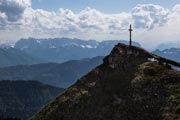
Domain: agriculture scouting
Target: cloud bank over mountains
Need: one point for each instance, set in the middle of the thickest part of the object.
(153, 24)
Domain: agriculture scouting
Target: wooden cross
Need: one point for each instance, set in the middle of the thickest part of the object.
(130, 30)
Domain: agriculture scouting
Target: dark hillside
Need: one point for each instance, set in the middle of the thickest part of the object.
(62, 75)
(22, 99)
(131, 84)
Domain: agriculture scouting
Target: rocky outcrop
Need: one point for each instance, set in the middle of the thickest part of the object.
(131, 84)
(123, 56)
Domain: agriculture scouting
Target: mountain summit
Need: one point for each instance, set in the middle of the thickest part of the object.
(131, 84)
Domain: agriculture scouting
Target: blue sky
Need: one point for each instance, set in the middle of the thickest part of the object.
(154, 21)
(108, 6)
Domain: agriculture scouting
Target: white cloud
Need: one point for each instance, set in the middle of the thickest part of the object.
(176, 8)
(13, 9)
(149, 15)
(85, 24)
(153, 24)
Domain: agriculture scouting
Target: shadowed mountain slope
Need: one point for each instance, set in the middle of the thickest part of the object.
(131, 84)
(22, 99)
(62, 75)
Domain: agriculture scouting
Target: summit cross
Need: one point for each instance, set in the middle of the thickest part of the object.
(130, 30)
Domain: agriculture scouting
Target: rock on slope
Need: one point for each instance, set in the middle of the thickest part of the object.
(131, 84)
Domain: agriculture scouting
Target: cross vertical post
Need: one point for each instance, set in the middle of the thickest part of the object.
(130, 30)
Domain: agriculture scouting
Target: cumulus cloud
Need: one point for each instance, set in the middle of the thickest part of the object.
(152, 23)
(109, 23)
(149, 15)
(13, 9)
(176, 8)
(84, 24)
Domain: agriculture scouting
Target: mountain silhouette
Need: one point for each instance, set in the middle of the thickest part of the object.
(131, 84)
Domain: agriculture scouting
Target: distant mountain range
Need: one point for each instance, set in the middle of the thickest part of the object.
(172, 53)
(21, 99)
(169, 45)
(12, 57)
(34, 51)
(61, 75)
(65, 49)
